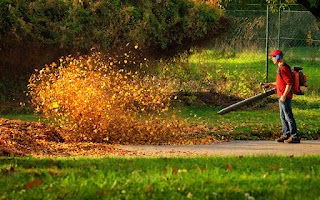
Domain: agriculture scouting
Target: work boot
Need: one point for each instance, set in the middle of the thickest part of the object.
(282, 138)
(292, 140)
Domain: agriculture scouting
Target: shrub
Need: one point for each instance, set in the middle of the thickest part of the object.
(106, 24)
(35, 32)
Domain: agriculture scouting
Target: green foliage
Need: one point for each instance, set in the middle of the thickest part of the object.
(256, 177)
(84, 24)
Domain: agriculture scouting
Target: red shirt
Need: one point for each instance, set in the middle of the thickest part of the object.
(285, 80)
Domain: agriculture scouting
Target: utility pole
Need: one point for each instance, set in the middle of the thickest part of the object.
(279, 24)
(267, 43)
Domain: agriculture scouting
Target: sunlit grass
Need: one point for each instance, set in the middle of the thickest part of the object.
(257, 177)
(308, 53)
(254, 63)
(212, 56)
(23, 117)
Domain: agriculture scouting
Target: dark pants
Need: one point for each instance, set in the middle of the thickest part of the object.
(289, 127)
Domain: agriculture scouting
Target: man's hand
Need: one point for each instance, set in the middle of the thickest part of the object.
(285, 93)
(266, 85)
(283, 98)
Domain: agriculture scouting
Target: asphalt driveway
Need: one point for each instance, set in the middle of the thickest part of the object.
(240, 148)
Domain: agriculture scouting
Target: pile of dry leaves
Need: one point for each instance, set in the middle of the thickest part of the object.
(21, 138)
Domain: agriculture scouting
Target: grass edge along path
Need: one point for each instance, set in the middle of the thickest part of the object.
(231, 177)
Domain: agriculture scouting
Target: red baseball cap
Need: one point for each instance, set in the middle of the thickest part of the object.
(275, 53)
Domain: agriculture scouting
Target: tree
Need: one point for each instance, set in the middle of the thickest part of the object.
(311, 5)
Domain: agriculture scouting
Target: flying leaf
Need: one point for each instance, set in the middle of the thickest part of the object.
(55, 105)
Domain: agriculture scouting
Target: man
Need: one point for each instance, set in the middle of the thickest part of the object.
(283, 85)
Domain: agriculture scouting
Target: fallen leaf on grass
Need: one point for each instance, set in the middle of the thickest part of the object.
(7, 171)
(174, 170)
(149, 188)
(228, 167)
(32, 184)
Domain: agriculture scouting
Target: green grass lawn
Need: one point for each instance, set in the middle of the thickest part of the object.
(22, 117)
(253, 177)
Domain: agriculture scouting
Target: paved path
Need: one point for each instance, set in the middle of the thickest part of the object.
(306, 147)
